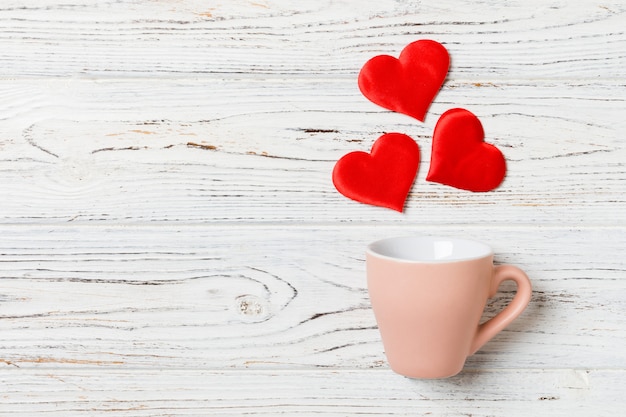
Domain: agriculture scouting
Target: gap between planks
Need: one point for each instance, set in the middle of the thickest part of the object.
(392, 225)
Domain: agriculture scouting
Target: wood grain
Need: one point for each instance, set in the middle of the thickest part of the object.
(171, 243)
(276, 297)
(326, 393)
(219, 158)
(529, 39)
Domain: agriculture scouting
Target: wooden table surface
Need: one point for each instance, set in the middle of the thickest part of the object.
(172, 243)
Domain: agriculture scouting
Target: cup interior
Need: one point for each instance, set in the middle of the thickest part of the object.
(429, 249)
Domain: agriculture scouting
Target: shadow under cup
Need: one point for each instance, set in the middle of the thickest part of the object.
(428, 295)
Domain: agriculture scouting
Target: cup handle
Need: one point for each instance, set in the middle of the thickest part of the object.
(495, 325)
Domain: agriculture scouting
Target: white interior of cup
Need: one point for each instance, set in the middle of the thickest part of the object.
(429, 249)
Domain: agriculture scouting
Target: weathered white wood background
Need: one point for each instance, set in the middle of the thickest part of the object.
(171, 243)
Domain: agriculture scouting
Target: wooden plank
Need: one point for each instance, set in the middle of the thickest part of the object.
(279, 297)
(515, 40)
(151, 392)
(264, 151)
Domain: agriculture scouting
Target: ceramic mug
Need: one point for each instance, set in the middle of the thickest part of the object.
(428, 295)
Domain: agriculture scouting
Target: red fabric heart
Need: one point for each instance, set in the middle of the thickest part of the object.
(380, 178)
(409, 84)
(460, 157)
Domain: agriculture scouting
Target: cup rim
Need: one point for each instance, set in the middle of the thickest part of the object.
(480, 249)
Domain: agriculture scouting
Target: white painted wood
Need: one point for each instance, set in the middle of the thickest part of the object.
(280, 297)
(488, 41)
(171, 242)
(97, 392)
(219, 158)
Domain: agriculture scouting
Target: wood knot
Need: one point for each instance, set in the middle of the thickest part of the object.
(252, 308)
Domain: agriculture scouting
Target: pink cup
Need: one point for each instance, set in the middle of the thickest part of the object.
(428, 295)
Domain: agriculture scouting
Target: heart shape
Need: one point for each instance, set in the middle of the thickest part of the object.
(409, 84)
(460, 157)
(382, 177)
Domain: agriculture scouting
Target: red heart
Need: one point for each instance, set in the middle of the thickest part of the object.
(380, 178)
(460, 157)
(409, 84)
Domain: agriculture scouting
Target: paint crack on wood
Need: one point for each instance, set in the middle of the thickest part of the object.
(28, 136)
(201, 146)
(128, 148)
